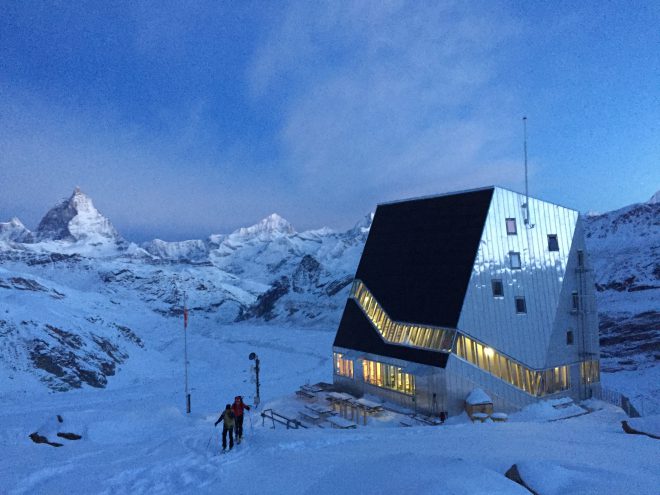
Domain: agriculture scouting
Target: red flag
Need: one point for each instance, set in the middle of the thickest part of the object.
(185, 318)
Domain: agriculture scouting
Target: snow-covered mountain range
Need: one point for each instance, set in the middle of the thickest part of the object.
(78, 301)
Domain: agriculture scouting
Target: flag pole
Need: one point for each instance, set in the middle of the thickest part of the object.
(185, 349)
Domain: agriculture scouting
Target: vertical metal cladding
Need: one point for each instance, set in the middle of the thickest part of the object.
(526, 326)
(495, 320)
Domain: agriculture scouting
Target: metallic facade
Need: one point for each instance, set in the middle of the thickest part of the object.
(544, 319)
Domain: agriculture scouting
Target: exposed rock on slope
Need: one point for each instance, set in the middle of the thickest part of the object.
(624, 247)
(76, 219)
(15, 231)
(72, 293)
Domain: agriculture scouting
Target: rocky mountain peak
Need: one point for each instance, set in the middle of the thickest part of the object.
(15, 231)
(75, 219)
(655, 199)
(272, 224)
(365, 223)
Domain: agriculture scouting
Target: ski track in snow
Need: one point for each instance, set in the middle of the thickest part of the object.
(137, 438)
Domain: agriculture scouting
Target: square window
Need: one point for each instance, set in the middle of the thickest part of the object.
(569, 337)
(553, 243)
(498, 288)
(511, 226)
(514, 258)
(521, 307)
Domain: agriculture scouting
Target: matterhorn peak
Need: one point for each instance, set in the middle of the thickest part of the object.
(75, 219)
(272, 224)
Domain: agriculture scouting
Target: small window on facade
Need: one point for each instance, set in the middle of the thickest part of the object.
(515, 260)
(553, 243)
(498, 288)
(521, 307)
(511, 226)
(580, 254)
(575, 301)
(569, 337)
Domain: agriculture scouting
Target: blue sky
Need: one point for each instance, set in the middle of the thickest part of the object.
(182, 119)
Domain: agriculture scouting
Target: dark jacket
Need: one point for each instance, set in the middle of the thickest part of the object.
(228, 417)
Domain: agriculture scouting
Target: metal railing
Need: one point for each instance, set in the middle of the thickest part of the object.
(619, 400)
(275, 417)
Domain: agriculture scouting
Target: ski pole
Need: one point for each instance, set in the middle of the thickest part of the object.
(210, 438)
(250, 416)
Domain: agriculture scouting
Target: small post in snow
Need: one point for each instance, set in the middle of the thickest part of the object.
(185, 350)
(253, 357)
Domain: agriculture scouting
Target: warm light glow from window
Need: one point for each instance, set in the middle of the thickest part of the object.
(388, 376)
(533, 382)
(590, 371)
(343, 366)
(436, 339)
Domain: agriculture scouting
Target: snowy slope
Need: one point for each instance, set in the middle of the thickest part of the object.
(15, 231)
(267, 272)
(136, 437)
(78, 277)
(100, 317)
(624, 246)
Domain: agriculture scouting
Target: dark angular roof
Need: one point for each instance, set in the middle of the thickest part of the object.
(356, 332)
(417, 263)
(419, 255)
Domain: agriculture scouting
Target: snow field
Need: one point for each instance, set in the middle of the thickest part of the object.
(138, 439)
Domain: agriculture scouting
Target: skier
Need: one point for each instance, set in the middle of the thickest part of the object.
(238, 408)
(227, 417)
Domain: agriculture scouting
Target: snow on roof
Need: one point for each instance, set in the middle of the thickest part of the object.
(478, 396)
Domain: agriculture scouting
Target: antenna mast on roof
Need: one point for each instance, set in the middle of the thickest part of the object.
(526, 205)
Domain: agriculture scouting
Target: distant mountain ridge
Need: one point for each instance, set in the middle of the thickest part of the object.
(15, 231)
(78, 297)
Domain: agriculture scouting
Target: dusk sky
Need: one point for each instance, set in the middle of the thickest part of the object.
(181, 119)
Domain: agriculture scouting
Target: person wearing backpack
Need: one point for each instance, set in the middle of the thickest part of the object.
(228, 419)
(237, 409)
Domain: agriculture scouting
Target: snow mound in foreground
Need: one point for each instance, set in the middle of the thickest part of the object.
(549, 478)
(424, 473)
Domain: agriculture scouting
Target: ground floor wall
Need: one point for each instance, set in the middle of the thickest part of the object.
(445, 389)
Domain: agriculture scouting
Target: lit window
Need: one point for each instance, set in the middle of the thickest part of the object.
(553, 243)
(514, 259)
(569, 337)
(498, 288)
(590, 371)
(343, 366)
(534, 382)
(511, 226)
(414, 335)
(521, 306)
(388, 376)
